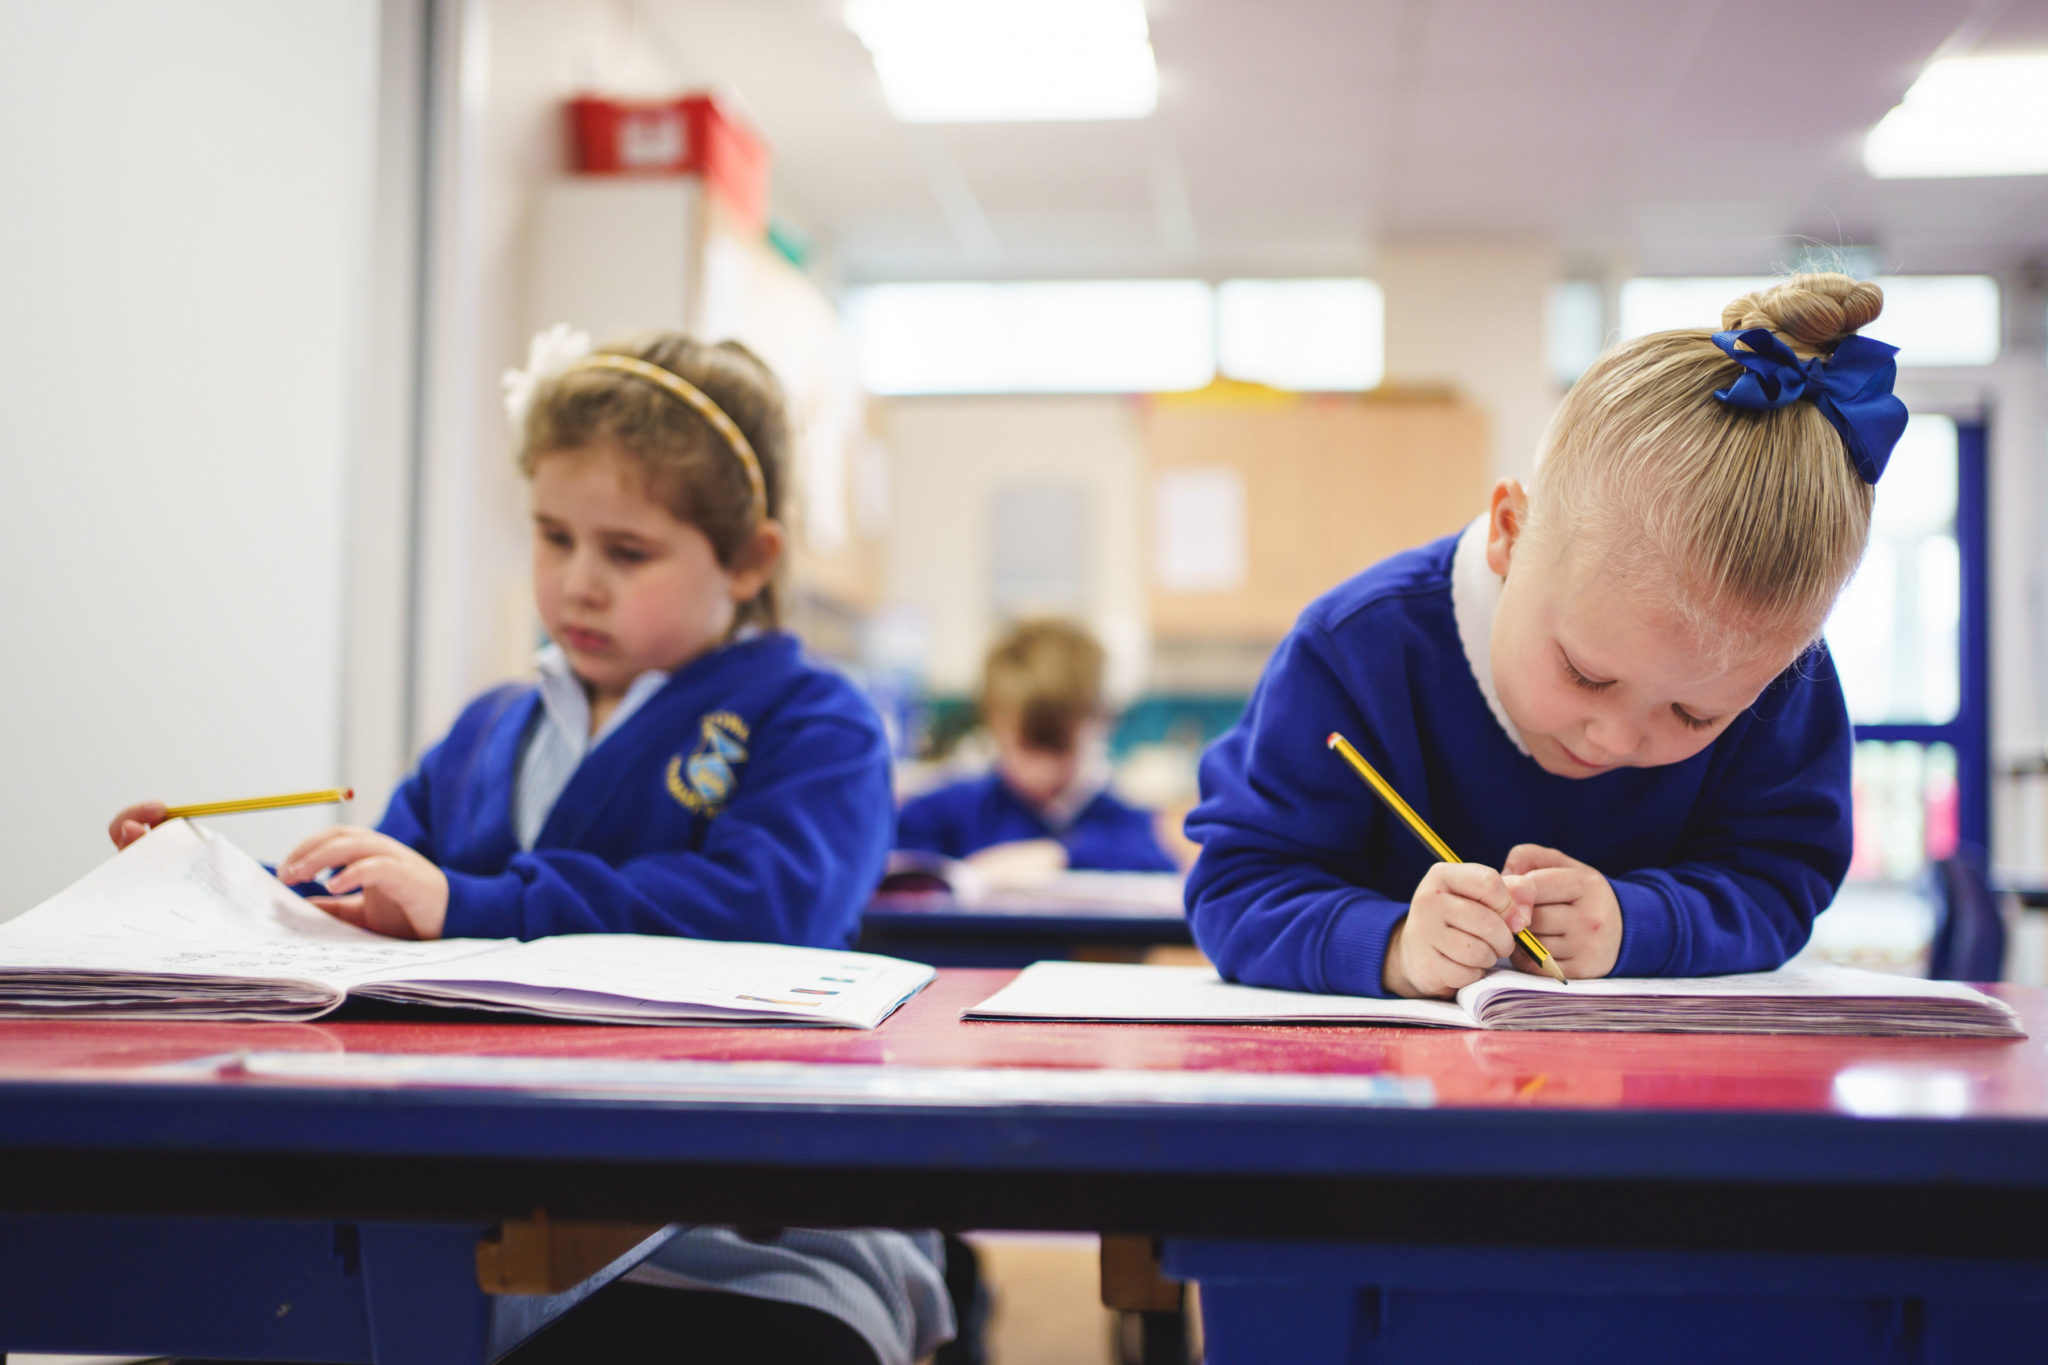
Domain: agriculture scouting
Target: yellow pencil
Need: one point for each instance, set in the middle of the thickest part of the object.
(1422, 831)
(332, 796)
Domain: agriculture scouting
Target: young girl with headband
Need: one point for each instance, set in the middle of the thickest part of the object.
(1609, 690)
(680, 768)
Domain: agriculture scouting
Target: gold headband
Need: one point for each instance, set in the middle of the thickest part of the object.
(701, 403)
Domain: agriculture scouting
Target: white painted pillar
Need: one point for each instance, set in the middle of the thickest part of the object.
(1471, 315)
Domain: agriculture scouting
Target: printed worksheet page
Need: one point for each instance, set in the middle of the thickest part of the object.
(184, 903)
(642, 978)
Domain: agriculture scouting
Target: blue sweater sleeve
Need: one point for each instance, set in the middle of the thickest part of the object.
(793, 859)
(409, 816)
(1766, 853)
(1277, 897)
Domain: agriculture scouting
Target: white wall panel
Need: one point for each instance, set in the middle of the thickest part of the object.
(184, 260)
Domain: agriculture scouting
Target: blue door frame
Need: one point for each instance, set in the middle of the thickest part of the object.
(1969, 734)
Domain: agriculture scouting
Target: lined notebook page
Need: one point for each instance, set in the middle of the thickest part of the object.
(1147, 994)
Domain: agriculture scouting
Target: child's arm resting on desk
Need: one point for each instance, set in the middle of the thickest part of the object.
(793, 859)
(1288, 835)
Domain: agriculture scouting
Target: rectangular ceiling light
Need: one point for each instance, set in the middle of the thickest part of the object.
(1083, 336)
(1666, 303)
(1009, 61)
(1308, 335)
(1967, 116)
(1940, 319)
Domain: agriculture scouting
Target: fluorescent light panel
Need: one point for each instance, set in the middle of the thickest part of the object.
(1092, 336)
(1309, 335)
(1967, 116)
(1934, 320)
(1007, 61)
(1667, 303)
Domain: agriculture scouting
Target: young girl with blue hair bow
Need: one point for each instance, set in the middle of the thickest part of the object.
(1609, 690)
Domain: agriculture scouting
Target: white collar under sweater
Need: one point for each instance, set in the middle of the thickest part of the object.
(1475, 600)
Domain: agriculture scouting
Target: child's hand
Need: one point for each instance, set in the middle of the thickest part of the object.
(1576, 916)
(382, 885)
(134, 822)
(1461, 920)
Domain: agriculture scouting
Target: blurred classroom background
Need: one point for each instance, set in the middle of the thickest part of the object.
(1165, 316)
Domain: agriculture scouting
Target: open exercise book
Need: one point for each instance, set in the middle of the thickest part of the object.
(182, 924)
(1794, 999)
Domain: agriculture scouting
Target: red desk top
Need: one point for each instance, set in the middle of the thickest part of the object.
(1928, 1077)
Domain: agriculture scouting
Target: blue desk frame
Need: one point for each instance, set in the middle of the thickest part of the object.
(169, 1216)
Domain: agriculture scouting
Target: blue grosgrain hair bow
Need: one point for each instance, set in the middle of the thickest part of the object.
(1852, 388)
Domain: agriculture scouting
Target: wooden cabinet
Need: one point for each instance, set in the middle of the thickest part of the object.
(1297, 495)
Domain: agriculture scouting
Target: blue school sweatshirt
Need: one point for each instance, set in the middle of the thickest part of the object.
(748, 799)
(966, 817)
(1720, 863)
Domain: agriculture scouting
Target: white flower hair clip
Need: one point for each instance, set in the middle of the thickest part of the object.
(547, 355)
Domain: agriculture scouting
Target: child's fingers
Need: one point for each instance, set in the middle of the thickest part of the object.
(362, 874)
(1557, 919)
(1481, 924)
(1467, 951)
(1529, 857)
(1554, 885)
(335, 846)
(304, 850)
(140, 817)
(347, 909)
(1475, 882)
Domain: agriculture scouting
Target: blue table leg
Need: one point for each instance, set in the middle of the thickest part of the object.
(421, 1296)
(1246, 1324)
(1349, 1304)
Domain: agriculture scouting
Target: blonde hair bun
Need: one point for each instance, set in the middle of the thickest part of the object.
(1814, 313)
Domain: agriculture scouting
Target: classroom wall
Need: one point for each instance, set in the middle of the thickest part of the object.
(950, 459)
(1470, 316)
(184, 258)
(502, 70)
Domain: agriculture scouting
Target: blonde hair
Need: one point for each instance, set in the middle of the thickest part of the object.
(1742, 517)
(688, 466)
(1047, 674)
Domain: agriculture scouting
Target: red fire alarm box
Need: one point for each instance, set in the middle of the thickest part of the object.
(693, 135)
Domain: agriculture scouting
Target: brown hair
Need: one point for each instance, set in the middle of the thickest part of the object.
(1048, 675)
(1748, 518)
(689, 468)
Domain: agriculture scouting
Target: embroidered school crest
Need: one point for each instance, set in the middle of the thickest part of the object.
(704, 781)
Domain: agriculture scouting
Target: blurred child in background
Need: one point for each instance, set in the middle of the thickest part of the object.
(1047, 805)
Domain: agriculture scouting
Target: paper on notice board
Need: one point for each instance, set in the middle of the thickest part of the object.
(1199, 515)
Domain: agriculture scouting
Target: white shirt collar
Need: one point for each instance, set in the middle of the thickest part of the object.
(568, 705)
(1475, 600)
